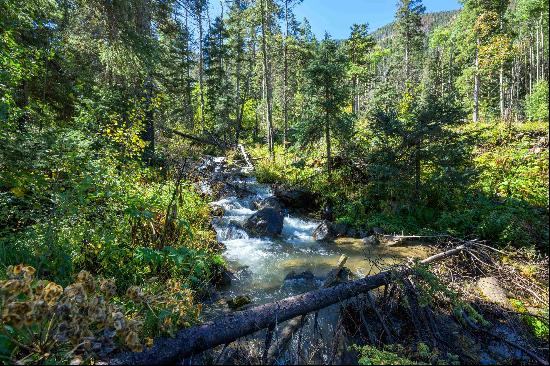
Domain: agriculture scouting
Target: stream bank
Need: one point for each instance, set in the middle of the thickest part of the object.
(265, 269)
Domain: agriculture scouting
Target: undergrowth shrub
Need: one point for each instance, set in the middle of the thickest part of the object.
(42, 322)
(78, 208)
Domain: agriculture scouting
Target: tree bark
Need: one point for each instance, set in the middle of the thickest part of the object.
(285, 76)
(501, 92)
(267, 80)
(476, 86)
(327, 138)
(199, 11)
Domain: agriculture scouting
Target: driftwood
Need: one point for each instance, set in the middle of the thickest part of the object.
(380, 318)
(231, 327)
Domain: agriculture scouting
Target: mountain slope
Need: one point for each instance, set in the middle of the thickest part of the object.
(430, 21)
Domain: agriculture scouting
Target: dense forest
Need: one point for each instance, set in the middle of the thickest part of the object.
(111, 111)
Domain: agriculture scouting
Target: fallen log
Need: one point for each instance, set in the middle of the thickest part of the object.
(194, 138)
(247, 160)
(229, 328)
(279, 347)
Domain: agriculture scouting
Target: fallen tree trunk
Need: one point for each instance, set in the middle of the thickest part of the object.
(247, 160)
(279, 347)
(231, 327)
(194, 138)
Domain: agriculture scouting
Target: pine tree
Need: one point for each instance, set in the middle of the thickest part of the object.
(409, 39)
(359, 46)
(327, 95)
(219, 102)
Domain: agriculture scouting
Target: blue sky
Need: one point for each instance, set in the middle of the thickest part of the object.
(337, 16)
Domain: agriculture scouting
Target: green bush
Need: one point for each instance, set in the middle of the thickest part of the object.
(69, 205)
(370, 355)
(536, 104)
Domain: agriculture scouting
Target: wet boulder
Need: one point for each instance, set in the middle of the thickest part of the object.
(371, 241)
(217, 211)
(238, 302)
(323, 232)
(266, 222)
(296, 199)
(340, 230)
(304, 276)
(270, 202)
(223, 278)
(377, 231)
(330, 231)
(351, 233)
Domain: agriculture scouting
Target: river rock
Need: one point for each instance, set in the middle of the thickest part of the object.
(340, 230)
(323, 232)
(238, 302)
(305, 276)
(372, 241)
(224, 278)
(362, 234)
(351, 233)
(490, 288)
(266, 222)
(377, 231)
(270, 202)
(295, 198)
(217, 211)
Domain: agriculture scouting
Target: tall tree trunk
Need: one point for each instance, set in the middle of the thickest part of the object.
(531, 66)
(327, 137)
(543, 61)
(476, 86)
(238, 103)
(417, 172)
(501, 91)
(143, 26)
(537, 52)
(355, 96)
(267, 80)
(188, 96)
(285, 86)
(199, 12)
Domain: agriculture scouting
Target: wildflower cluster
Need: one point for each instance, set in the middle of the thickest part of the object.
(42, 321)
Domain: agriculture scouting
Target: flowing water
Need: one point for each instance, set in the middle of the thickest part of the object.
(260, 265)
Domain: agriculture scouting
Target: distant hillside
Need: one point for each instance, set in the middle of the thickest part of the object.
(429, 21)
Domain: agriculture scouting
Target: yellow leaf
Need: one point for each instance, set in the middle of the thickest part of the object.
(18, 192)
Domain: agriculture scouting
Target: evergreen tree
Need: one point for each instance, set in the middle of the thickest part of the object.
(359, 46)
(409, 39)
(327, 95)
(219, 101)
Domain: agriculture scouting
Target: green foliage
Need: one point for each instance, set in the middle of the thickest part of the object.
(537, 325)
(370, 355)
(536, 104)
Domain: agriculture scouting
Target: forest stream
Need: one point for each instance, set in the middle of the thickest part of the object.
(261, 264)
(267, 269)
